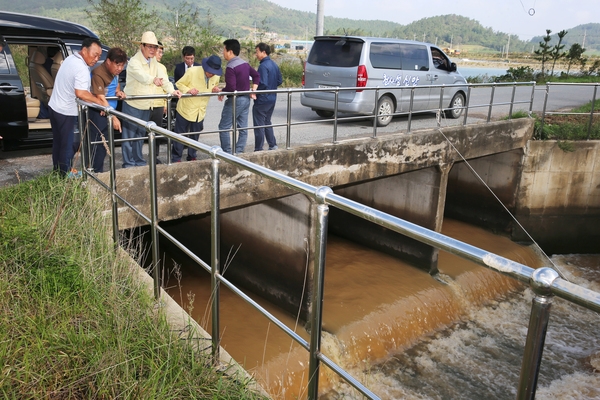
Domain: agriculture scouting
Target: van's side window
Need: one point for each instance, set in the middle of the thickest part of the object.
(440, 61)
(385, 55)
(414, 57)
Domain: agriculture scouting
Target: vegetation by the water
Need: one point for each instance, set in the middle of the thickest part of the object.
(74, 321)
(572, 125)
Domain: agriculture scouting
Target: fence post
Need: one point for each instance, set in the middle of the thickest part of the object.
(335, 113)
(544, 111)
(153, 208)
(376, 111)
(467, 101)
(288, 138)
(215, 245)
(83, 142)
(316, 316)
(489, 117)
(410, 108)
(234, 124)
(592, 112)
(512, 100)
(113, 180)
(541, 283)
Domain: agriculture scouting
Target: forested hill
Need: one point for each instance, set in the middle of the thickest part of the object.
(587, 35)
(238, 18)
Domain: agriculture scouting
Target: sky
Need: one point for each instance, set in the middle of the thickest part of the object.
(524, 18)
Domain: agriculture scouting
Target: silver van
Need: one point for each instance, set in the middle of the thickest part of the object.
(390, 64)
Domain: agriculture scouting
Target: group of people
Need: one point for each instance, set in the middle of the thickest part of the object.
(147, 76)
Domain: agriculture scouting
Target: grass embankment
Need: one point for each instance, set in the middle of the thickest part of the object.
(75, 323)
(570, 127)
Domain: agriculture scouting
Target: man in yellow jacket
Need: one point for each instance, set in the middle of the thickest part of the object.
(143, 76)
(191, 110)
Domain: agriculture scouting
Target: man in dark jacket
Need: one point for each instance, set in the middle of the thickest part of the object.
(270, 78)
(189, 54)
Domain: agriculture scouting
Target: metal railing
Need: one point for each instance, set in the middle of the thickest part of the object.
(440, 108)
(545, 282)
(559, 84)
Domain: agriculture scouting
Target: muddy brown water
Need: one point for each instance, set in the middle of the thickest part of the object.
(406, 335)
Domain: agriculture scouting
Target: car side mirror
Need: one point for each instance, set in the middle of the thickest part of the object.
(453, 67)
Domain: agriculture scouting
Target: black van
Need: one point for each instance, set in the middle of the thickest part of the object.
(44, 43)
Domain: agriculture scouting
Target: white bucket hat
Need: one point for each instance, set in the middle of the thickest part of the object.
(148, 38)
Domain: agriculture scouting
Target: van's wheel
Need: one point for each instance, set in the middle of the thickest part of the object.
(324, 113)
(385, 109)
(456, 106)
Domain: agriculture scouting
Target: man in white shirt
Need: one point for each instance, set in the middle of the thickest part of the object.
(72, 82)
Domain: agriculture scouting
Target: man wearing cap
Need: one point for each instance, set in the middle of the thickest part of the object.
(191, 110)
(143, 77)
(159, 107)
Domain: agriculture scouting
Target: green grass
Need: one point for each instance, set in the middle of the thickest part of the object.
(74, 322)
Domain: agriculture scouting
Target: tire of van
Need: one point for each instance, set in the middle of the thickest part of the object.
(8, 144)
(385, 107)
(324, 113)
(456, 106)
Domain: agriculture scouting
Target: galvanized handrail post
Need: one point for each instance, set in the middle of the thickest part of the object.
(512, 100)
(316, 316)
(375, 113)
(82, 114)
(531, 99)
(234, 124)
(467, 101)
(441, 106)
(113, 181)
(592, 112)
(410, 108)
(215, 245)
(335, 112)
(153, 208)
(288, 135)
(489, 117)
(169, 122)
(541, 283)
(544, 110)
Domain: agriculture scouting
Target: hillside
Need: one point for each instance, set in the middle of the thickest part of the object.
(239, 18)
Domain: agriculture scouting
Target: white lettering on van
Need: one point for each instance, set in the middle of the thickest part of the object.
(391, 81)
(410, 80)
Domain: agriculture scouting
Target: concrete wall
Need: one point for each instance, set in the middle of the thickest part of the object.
(413, 196)
(475, 188)
(558, 199)
(184, 188)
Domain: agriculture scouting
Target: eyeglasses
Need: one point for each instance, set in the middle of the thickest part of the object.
(151, 46)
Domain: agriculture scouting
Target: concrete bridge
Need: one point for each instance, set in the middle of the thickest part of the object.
(415, 177)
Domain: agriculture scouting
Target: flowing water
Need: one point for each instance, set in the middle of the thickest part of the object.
(404, 334)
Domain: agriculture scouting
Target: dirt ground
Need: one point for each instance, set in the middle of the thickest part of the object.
(21, 165)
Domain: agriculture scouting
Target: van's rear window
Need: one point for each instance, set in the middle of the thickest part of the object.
(335, 53)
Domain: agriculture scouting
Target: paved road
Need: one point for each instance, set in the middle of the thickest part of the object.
(309, 128)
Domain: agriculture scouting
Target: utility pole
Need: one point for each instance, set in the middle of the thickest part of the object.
(583, 43)
(507, 46)
(423, 36)
(320, 16)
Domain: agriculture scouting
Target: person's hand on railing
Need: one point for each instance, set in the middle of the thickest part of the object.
(176, 93)
(116, 124)
(193, 91)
